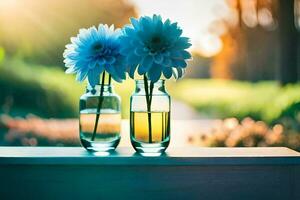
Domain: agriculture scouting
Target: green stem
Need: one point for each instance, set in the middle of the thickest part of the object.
(162, 126)
(148, 100)
(149, 111)
(109, 79)
(100, 100)
(151, 91)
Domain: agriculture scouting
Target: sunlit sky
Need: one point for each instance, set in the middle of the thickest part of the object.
(194, 16)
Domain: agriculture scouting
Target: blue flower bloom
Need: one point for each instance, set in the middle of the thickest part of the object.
(94, 51)
(154, 47)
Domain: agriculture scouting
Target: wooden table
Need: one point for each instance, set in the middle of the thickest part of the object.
(182, 173)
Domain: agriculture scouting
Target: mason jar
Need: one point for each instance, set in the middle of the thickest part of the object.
(100, 118)
(150, 125)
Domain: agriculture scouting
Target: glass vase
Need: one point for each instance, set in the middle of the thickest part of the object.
(104, 136)
(150, 126)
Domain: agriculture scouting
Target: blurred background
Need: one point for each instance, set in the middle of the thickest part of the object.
(241, 88)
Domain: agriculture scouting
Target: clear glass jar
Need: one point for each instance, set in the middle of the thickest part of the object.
(106, 136)
(150, 127)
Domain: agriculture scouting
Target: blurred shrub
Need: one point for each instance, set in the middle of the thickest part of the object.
(290, 117)
(46, 92)
(266, 101)
(2, 54)
(247, 133)
(37, 89)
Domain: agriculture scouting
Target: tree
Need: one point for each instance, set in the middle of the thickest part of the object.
(266, 41)
(288, 70)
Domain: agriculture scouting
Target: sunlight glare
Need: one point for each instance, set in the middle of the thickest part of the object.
(209, 45)
(8, 4)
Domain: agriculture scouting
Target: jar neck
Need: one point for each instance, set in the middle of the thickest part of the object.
(95, 90)
(158, 87)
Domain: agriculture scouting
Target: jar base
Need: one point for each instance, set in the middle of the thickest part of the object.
(151, 148)
(96, 146)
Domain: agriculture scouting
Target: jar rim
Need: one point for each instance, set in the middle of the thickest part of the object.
(141, 81)
(106, 86)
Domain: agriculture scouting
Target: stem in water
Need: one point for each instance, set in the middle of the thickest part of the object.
(148, 101)
(100, 100)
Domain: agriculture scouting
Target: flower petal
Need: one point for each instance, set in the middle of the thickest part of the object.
(178, 72)
(158, 58)
(135, 23)
(167, 62)
(179, 63)
(92, 65)
(81, 75)
(182, 43)
(70, 70)
(139, 52)
(133, 58)
(167, 71)
(154, 73)
(131, 70)
(130, 31)
(185, 55)
(112, 71)
(110, 59)
(120, 71)
(93, 78)
(145, 65)
(124, 51)
(101, 61)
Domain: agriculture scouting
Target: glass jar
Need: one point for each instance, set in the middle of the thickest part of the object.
(104, 136)
(150, 126)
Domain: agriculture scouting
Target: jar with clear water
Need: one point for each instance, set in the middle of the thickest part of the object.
(103, 135)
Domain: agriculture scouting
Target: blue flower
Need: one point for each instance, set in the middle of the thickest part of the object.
(154, 47)
(94, 51)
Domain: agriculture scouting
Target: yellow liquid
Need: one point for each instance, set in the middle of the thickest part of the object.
(160, 126)
(109, 125)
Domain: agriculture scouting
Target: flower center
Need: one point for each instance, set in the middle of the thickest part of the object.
(155, 40)
(97, 48)
(155, 44)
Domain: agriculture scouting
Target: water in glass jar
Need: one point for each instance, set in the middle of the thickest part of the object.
(159, 124)
(107, 134)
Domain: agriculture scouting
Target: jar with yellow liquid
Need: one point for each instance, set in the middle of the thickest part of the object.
(150, 118)
(100, 118)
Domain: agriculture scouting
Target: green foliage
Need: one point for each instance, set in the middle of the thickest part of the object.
(40, 90)
(265, 101)
(45, 91)
(2, 54)
(49, 92)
